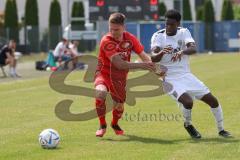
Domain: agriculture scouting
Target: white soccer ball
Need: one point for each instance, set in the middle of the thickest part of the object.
(49, 139)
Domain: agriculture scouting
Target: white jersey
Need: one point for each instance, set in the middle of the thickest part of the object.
(177, 42)
(60, 49)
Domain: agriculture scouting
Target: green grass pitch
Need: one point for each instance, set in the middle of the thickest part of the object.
(27, 107)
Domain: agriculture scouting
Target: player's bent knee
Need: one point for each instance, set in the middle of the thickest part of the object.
(214, 102)
(211, 100)
(101, 94)
(101, 91)
(101, 87)
(186, 101)
(188, 104)
(119, 106)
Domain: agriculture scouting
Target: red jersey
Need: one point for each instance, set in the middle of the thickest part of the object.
(109, 47)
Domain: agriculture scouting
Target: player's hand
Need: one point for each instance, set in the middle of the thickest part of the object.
(160, 70)
(167, 50)
(177, 56)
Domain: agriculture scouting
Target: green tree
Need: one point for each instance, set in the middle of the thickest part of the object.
(187, 15)
(162, 10)
(32, 24)
(15, 12)
(208, 18)
(55, 18)
(78, 12)
(11, 20)
(208, 13)
(200, 13)
(227, 10)
(55, 24)
(31, 13)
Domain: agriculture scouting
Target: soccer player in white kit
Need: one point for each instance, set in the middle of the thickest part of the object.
(171, 47)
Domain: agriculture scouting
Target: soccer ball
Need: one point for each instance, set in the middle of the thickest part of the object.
(49, 139)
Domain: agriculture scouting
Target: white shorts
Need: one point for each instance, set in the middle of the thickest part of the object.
(186, 84)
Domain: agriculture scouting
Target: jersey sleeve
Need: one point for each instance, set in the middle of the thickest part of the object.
(137, 46)
(188, 37)
(155, 42)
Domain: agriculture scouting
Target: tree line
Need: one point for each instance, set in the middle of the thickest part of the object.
(30, 21)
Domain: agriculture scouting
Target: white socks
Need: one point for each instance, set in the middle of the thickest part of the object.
(187, 114)
(218, 114)
(12, 71)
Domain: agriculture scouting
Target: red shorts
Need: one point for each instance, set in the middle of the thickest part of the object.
(116, 87)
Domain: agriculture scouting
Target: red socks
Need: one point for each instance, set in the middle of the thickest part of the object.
(101, 110)
(117, 114)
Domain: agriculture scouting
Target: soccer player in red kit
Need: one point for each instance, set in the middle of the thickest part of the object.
(113, 65)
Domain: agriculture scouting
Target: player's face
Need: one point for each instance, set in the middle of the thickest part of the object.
(171, 26)
(116, 30)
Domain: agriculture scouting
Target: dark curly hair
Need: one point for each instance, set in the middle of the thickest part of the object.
(173, 14)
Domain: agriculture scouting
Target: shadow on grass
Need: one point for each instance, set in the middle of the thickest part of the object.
(130, 138)
(53, 149)
(217, 140)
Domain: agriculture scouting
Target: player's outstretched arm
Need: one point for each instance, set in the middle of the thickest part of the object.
(124, 65)
(144, 57)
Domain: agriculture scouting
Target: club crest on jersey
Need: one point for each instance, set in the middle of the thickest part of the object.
(180, 43)
(125, 45)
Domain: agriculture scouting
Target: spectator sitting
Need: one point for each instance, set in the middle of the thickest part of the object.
(7, 57)
(61, 52)
(74, 52)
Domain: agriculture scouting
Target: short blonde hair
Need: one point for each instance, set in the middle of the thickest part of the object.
(117, 18)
